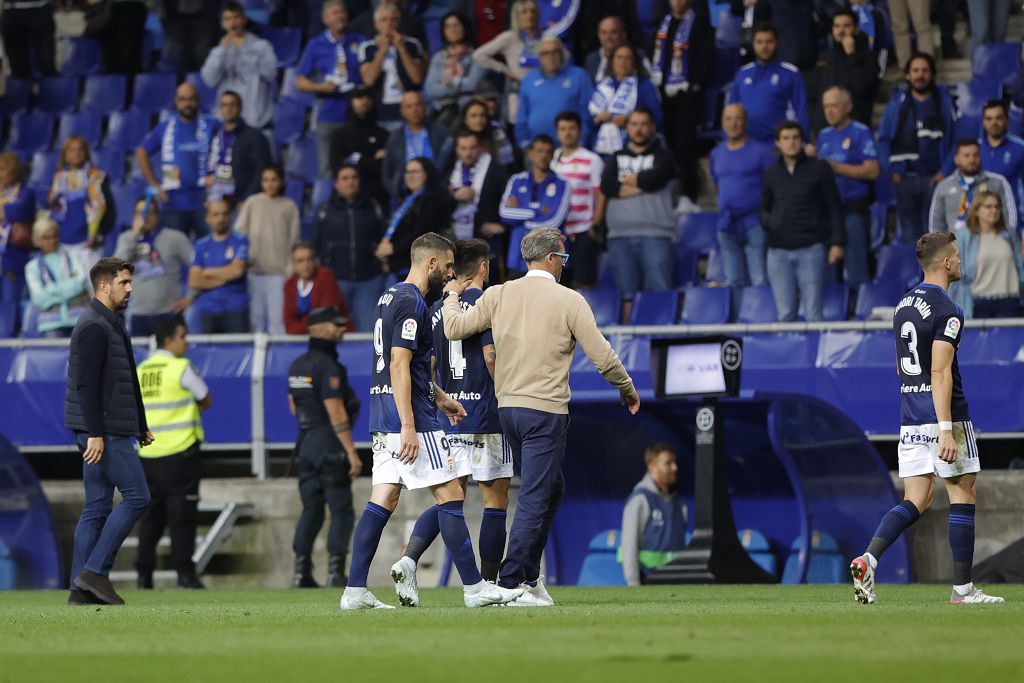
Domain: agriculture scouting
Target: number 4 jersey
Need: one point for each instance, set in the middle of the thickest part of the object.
(463, 374)
(926, 314)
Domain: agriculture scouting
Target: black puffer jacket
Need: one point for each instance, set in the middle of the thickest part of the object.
(345, 235)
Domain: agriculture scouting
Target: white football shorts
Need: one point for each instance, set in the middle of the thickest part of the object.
(919, 451)
(435, 464)
(488, 455)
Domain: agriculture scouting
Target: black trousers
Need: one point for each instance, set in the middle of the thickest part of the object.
(323, 478)
(122, 41)
(683, 112)
(174, 498)
(27, 31)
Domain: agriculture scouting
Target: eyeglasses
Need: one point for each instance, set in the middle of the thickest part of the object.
(563, 256)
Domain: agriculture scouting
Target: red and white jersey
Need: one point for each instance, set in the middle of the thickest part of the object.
(582, 172)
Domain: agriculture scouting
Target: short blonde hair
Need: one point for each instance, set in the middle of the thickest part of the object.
(43, 224)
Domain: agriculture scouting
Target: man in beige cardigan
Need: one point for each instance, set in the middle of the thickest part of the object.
(536, 324)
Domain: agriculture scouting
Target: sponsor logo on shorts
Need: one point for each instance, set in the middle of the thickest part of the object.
(918, 438)
(463, 441)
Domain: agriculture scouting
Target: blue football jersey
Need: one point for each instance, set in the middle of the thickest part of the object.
(402, 321)
(926, 314)
(463, 374)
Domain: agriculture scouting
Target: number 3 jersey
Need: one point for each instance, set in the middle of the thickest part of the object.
(926, 314)
(463, 374)
(402, 322)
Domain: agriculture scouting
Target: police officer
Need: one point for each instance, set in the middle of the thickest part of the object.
(325, 406)
(173, 394)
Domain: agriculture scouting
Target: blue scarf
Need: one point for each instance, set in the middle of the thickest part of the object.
(417, 144)
(679, 60)
(168, 150)
(528, 58)
(400, 212)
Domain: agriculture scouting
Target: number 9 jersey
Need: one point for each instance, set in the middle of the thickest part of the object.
(926, 314)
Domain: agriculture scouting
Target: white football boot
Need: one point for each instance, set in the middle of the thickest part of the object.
(974, 597)
(360, 598)
(403, 573)
(863, 580)
(486, 593)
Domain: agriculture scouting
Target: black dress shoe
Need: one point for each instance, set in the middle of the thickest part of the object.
(83, 598)
(144, 582)
(99, 586)
(190, 581)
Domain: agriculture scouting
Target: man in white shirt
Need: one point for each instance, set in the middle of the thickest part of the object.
(581, 169)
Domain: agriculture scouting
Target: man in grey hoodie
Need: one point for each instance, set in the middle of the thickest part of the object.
(654, 521)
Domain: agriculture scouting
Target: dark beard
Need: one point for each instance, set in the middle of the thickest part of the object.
(435, 281)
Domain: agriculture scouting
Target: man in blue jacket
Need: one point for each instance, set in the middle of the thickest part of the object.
(914, 139)
(770, 90)
(546, 92)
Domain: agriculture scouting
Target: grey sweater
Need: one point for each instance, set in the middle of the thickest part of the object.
(648, 214)
(634, 520)
(157, 282)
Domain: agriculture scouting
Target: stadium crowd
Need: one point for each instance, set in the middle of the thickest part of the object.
(290, 163)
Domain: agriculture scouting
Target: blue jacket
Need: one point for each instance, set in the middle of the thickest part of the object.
(541, 205)
(960, 292)
(771, 92)
(887, 131)
(541, 99)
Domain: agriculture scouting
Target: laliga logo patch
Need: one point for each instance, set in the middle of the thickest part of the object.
(952, 328)
(409, 330)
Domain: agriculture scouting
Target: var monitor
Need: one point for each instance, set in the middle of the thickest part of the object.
(696, 366)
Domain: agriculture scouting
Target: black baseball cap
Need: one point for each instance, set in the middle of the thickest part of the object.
(327, 314)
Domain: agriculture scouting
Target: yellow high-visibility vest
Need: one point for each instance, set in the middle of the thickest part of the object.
(171, 410)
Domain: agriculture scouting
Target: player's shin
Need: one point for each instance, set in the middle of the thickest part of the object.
(457, 540)
(492, 542)
(423, 534)
(961, 543)
(365, 541)
(893, 523)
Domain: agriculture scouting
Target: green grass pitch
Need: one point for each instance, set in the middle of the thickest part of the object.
(663, 633)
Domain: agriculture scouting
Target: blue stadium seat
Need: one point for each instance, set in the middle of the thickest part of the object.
(827, 564)
(878, 294)
(295, 190)
(967, 127)
(300, 160)
(112, 161)
(105, 93)
(16, 97)
(606, 305)
(601, 566)
(655, 308)
(1016, 119)
(287, 44)
(207, 95)
(81, 56)
(727, 33)
(40, 176)
(289, 90)
(258, 10)
(997, 62)
(647, 14)
(971, 97)
(698, 231)
(154, 92)
(435, 35)
(86, 123)
(706, 305)
(757, 305)
(57, 95)
(835, 301)
(125, 197)
(879, 224)
(125, 129)
(897, 264)
(687, 266)
(289, 120)
(322, 190)
(30, 132)
(8, 315)
(760, 550)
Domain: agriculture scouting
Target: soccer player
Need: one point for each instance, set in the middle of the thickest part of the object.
(936, 436)
(409, 447)
(466, 370)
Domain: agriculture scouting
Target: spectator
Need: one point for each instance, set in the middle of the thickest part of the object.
(581, 169)
(638, 184)
(850, 63)
(515, 52)
(1001, 152)
(488, 19)
(615, 98)
(189, 33)
(479, 117)
(346, 231)
(159, 256)
(988, 19)
(536, 198)
(410, 22)
(953, 195)
(872, 23)
(617, 24)
(270, 221)
(801, 216)
(849, 148)
(737, 167)
(183, 143)
(81, 200)
(553, 88)
(310, 287)
(237, 152)
(392, 64)
(28, 31)
(476, 185)
(417, 137)
(331, 58)
(58, 282)
(611, 33)
(914, 139)
(991, 268)
(17, 212)
(682, 64)
(453, 75)
(771, 91)
(121, 40)
(901, 12)
(245, 64)
(654, 520)
(424, 206)
(362, 143)
(218, 274)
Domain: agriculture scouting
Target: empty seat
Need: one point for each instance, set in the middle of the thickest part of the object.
(760, 550)
(16, 97)
(86, 123)
(971, 97)
(80, 56)
(125, 197)
(322, 190)
(295, 189)
(207, 95)
(698, 231)
(606, 305)
(835, 301)
(40, 176)
(57, 95)
(654, 308)
(105, 93)
(880, 294)
(826, 564)
(996, 62)
(125, 129)
(897, 263)
(287, 44)
(687, 269)
(706, 306)
(757, 305)
(289, 90)
(300, 160)
(601, 565)
(435, 37)
(112, 161)
(289, 120)
(154, 92)
(30, 132)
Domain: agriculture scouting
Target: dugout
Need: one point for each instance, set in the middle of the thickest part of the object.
(796, 467)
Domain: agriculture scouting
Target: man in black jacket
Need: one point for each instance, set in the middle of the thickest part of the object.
(801, 216)
(103, 406)
(475, 185)
(347, 229)
(238, 153)
(851, 64)
(361, 142)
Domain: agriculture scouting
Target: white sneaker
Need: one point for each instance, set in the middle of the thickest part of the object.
(540, 591)
(403, 573)
(360, 598)
(486, 593)
(974, 597)
(534, 596)
(863, 580)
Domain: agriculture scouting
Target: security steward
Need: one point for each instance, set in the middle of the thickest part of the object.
(173, 394)
(325, 406)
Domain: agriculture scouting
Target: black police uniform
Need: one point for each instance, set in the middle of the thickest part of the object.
(323, 466)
